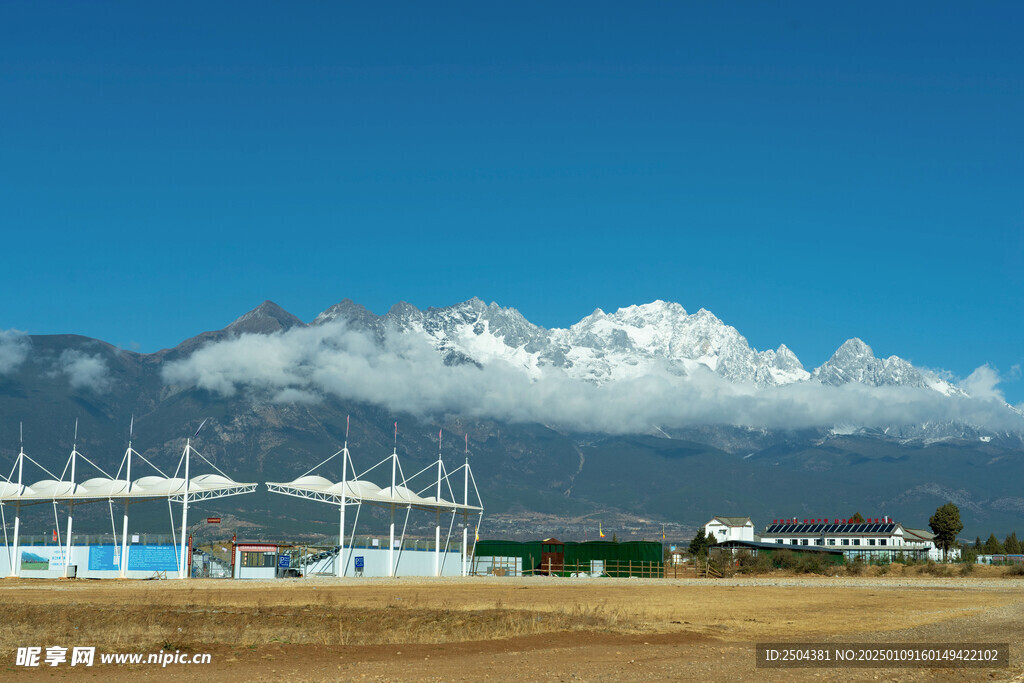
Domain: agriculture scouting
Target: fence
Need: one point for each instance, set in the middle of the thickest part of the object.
(593, 568)
(96, 539)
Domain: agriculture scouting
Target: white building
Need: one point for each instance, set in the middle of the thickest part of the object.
(926, 539)
(721, 529)
(873, 539)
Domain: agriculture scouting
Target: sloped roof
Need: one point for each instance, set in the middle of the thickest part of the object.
(731, 521)
(922, 534)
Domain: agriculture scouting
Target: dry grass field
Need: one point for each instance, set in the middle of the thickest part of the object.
(506, 628)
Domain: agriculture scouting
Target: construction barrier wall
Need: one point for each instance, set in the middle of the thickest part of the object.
(90, 561)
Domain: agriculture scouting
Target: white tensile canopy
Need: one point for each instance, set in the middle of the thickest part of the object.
(353, 489)
(173, 489)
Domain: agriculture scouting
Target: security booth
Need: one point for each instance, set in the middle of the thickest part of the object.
(256, 560)
(552, 556)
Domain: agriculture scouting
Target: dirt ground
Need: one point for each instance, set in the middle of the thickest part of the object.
(504, 628)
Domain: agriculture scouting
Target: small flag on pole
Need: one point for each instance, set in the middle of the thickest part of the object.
(476, 534)
(599, 532)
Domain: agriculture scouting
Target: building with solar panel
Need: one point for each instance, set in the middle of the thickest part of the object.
(872, 539)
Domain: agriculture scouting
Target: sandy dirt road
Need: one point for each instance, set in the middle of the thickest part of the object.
(502, 628)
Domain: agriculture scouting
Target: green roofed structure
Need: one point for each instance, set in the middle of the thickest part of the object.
(570, 558)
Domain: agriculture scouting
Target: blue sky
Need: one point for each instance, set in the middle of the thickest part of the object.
(807, 172)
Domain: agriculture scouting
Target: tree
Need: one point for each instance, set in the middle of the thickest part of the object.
(1011, 545)
(946, 524)
(857, 519)
(993, 546)
(700, 543)
(977, 543)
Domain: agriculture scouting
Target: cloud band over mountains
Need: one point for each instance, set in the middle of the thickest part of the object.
(406, 374)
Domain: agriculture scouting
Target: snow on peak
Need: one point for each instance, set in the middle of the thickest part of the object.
(628, 343)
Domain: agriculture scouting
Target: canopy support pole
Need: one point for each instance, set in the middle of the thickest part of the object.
(16, 561)
(341, 528)
(390, 547)
(71, 508)
(183, 560)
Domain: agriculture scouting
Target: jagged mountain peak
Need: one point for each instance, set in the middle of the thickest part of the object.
(606, 346)
(854, 346)
(346, 309)
(854, 361)
(265, 318)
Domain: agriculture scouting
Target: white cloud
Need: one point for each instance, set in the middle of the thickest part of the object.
(85, 371)
(982, 383)
(407, 374)
(14, 347)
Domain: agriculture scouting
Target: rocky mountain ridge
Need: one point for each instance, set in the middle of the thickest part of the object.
(609, 346)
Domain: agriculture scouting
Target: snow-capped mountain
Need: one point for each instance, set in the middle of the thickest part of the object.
(605, 347)
(855, 362)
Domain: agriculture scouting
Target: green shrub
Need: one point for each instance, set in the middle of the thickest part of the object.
(856, 567)
(1015, 570)
(810, 564)
(966, 569)
(759, 564)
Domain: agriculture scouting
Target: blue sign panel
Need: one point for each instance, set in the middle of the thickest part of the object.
(152, 558)
(359, 561)
(143, 558)
(101, 558)
(284, 561)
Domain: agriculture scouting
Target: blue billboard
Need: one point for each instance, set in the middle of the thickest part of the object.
(142, 558)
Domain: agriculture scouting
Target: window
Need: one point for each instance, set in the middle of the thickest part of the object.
(250, 559)
(856, 541)
(803, 542)
(831, 541)
(819, 541)
(779, 541)
(846, 541)
(882, 541)
(871, 541)
(795, 542)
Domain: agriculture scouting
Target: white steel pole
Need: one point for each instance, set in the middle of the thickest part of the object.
(465, 521)
(437, 525)
(16, 562)
(391, 542)
(124, 526)
(184, 513)
(341, 529)
(71, 508)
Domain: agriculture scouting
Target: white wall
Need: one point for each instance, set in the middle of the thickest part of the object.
(375, 563)
(143, 561)
(720, 532)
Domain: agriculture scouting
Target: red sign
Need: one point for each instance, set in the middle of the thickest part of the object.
(256, 547)
(213, 520)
